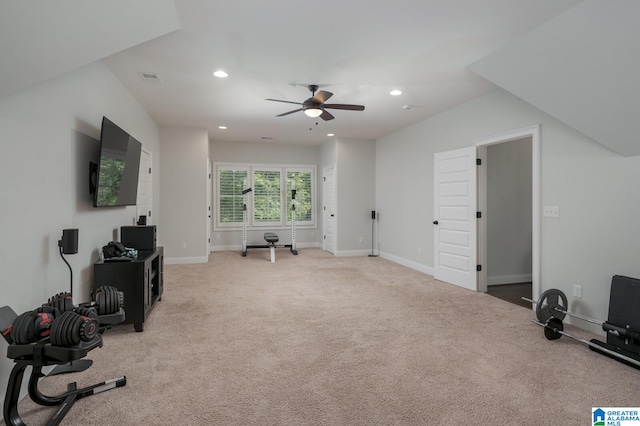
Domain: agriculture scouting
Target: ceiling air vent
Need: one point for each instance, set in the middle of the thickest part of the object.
(150, 77)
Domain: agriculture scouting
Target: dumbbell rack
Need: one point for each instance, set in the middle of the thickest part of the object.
(41, 354)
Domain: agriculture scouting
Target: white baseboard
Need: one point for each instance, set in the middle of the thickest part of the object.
(509, 279)
(408, 263)
(185, 260)
(351, 253)
(238, 247)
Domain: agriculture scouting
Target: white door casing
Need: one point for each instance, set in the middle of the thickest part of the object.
(455, 226)
(209, 211)
(328, 210)
(534, 133)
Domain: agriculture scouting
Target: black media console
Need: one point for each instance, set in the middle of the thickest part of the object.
(139, 279)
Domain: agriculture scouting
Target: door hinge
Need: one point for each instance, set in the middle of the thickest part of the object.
(478, 215)
(478, 268)
(324, 179)
(149, 213)
(149, 170)
(478, 162)
(324, 237)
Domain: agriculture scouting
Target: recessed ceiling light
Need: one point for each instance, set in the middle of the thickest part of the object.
(220, 74)
(330, 134)
(222, 127)
(395, 92)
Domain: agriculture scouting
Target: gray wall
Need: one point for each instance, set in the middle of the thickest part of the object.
(183, 204)
(48, 135)
(266, 153)
(355, 177)
(596, 235)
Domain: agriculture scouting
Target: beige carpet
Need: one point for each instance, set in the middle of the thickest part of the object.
(319, 340)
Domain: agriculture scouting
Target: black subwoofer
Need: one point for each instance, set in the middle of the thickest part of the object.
(139, 237)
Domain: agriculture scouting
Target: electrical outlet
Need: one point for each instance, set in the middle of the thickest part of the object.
(360, 240)
(577, 291)
(183, 246)
(551, 211)
(419, 251)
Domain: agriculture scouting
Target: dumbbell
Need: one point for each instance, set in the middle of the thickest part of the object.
(63, 329)
(61, 301)
(108, 300)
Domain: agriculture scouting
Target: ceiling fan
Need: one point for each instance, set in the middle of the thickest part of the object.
(315, 106)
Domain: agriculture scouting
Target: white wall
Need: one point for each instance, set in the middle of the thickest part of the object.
(596, 235)
(183, 203)
(355, 180)
(48, 135)
(508, 213)
(266, 153)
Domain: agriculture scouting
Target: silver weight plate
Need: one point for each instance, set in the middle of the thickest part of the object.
(552, 304)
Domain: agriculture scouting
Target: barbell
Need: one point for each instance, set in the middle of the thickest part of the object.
(553, 329)
(553, 304)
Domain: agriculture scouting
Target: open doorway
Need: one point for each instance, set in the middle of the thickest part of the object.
(509, 197)
(508, 216)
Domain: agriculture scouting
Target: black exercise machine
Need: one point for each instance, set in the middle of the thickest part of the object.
(49, 336)
(269, 237)
(622, 326)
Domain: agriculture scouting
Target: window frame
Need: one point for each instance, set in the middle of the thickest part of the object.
(285, 196)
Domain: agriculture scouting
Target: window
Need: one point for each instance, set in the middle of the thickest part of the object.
(266, 197)
(230, 200)
(303, 186)
(268, 204)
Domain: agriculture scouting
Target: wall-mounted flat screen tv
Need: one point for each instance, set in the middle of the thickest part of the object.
(116, 181)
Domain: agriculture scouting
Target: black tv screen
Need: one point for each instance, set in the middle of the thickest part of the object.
(118, 169)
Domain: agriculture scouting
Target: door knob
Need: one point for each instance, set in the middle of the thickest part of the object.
(435, 222)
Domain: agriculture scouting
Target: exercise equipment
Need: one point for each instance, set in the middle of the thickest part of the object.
(549, 308)
(106, 309)
(554, 330)
(269, 237)
(623, 337)
(71, 336)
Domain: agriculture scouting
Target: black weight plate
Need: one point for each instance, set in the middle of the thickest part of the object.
(552, 329)
(549, 303)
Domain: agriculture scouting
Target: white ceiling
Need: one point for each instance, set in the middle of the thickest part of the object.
(576, 63)
(581, 67)
(359, 49)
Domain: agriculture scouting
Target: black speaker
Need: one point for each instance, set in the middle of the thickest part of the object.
(139, 237)
(69, 241)
(373, 214)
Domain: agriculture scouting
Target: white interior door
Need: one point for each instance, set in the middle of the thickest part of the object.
(145, 195)
(454, 222)
(328, 210)
(209, 189)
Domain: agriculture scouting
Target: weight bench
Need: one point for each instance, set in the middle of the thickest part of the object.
(40, 354)
(271, 240)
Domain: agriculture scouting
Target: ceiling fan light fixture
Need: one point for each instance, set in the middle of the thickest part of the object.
(313, 112)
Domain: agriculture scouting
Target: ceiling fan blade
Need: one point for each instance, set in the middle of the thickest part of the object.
(287, 102)
(326, 115)
(290, 112)
(322, 96)
(345, 106)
